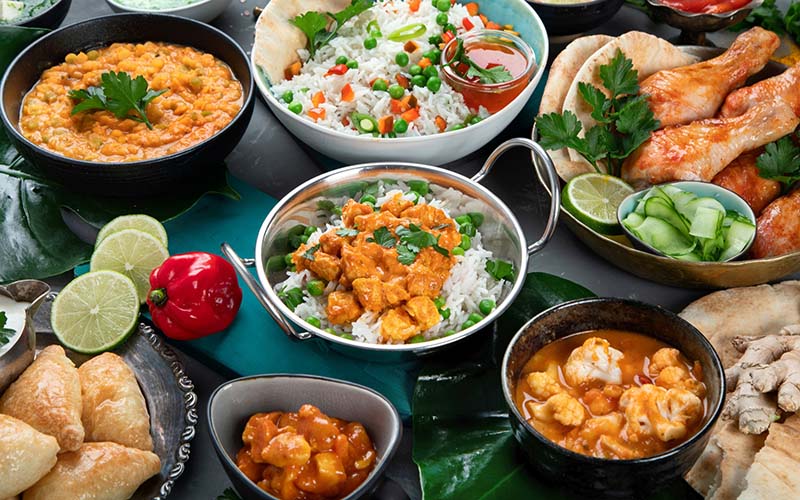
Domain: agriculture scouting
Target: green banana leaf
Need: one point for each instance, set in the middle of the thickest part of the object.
(463, 443)
(34, 240)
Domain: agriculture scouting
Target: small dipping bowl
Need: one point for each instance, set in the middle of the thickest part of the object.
(492, 96)
(729, 200)
(565, 21)
(589, 476)
(694, 25)
(200, 10)
(234, 402)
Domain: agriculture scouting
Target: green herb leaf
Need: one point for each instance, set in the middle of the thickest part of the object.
(767, 15)
(120, 95)
(356, 7)
(500, 269)
(416, 237)
(315, 25)
(496, 74)
(635, 121)
(406, 255)
(346, 232)
(229, 494)
(597, 143)
(780, 161)
(597, 100)
(311, 23)
(309, 253)
(441, 250)
(5, 333)
(558, 131)
(383, 237)
(619, 77)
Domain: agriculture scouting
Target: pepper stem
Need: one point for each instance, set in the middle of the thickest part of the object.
(158, 296)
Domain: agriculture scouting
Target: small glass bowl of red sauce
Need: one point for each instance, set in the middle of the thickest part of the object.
(489, 49)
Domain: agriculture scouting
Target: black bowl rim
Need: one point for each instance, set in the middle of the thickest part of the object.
(24, 23)
(379, 470)
(594, 461)
(132, 17)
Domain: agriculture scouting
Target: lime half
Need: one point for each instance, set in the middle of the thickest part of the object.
(143, 223)
(95, 312)
(594, 198)
(132, 253)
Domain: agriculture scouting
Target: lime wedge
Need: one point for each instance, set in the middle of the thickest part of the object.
(95, 312)
(132, 253)
(143, 223)
(594, 198)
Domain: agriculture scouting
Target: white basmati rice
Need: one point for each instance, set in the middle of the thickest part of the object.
(467, 285)
(376, 63)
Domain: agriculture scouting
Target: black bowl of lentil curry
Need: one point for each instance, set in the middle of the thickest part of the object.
(204, 103)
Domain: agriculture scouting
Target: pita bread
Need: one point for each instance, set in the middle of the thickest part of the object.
(562, 73)
(649, 54)
(278, 40)
(774, 470)
(755, 310)
(719, 473)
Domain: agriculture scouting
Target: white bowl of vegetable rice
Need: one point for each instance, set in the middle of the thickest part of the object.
(364, 80)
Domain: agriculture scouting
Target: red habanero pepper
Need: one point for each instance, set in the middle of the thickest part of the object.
(193, 295)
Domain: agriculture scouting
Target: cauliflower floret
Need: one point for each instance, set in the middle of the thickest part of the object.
(562, 408)
(678, 377)
(663, 358)
(594, 360)
(543, 385)
(655, 411)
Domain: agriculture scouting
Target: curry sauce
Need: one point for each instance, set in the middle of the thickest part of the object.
(612, 394)
(202, 97)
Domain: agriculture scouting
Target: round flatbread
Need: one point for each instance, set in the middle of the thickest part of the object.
(278, 40)
(562, 73)
(647, 52)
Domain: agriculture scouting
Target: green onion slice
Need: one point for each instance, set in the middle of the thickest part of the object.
(408, 32)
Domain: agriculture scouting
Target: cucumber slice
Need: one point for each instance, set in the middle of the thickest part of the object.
(690, 208)
(707, 222)
(633, 220)
(681, 199)
(658, 207)
(663, 236)
(658, 192)
(671, 191)
(689, 257)
(737, 237)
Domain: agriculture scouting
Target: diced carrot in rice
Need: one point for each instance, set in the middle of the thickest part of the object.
(347, 93)
(316, 114)
(410, 115)
(413, 5)
(473, 8)
(441, 123)
(318, 99)
(385, 124)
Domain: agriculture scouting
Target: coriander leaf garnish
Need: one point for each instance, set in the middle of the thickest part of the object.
(405, 255)
(495, 74)
(346, 232)
(228, 494)
(780, 161)
(5, 333)
(500, 269)
(624, 120)
(309, 253)
(315, 24)
(383, 237)
(120, 95)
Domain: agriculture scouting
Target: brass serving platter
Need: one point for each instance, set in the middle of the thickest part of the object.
(705, 275)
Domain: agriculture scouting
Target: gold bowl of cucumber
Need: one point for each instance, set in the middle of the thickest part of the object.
(689, 221)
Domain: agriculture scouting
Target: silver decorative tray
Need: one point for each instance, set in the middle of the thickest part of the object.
(170, 396)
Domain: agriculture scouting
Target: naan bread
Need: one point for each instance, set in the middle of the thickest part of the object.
(774, 473)
(647, 52)
(114, 408)
(97, 471)
(731, 460)
(26, 455)
(562, 73)
(755, 310)
(278, 40)
(47, 396)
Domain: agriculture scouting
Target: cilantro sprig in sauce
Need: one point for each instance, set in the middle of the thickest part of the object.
(120, 94)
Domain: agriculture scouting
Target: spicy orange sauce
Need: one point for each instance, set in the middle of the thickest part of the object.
(487, 54)
(202, 97)
(305, 455)
(604, 431)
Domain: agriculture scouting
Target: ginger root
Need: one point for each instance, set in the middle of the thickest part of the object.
(767, 364)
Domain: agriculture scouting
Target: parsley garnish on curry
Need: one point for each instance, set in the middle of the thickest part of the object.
(130, 102)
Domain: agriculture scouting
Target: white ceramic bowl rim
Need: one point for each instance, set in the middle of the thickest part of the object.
(264, 87)
(173, 10)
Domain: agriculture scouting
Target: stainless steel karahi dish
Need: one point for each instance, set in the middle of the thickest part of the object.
(501, 234)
